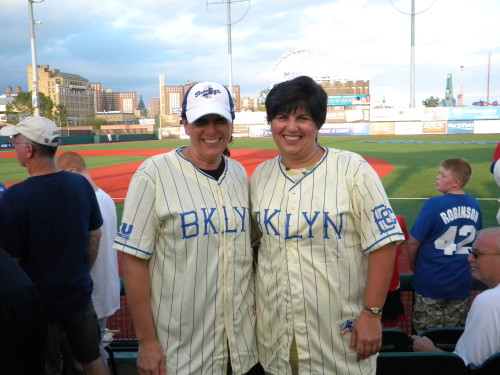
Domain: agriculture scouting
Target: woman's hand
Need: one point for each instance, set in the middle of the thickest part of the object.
(366, 338)
(151, 359)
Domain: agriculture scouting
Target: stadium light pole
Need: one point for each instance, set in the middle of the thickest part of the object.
(229, 48)
(228, 23)
(412, 46)
(412, 63)
(488, 83)
(35, 98)
(162, 105)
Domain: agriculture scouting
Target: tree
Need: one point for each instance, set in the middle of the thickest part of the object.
(61, 114)
(262, 99)
(95, 122)
(431, 102)
(22, 107)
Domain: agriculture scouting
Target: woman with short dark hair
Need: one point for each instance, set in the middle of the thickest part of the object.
(326, 235)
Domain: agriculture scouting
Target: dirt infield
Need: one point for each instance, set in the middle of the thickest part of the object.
(115, 179)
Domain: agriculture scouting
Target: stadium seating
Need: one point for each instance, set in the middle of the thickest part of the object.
(395, 340)
(409, 363)
(490, 367)
(445, 338)
(122, 351)
(394, 358)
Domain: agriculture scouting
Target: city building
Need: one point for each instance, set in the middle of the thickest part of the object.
(171, 97)
(141, 111)
(127, 101)
(346, 93)
(70, 90)
(105, 100)
(449, 100)
(249, 104)
(101, 101)
(5, 99)
(347, 90)
(154, 107)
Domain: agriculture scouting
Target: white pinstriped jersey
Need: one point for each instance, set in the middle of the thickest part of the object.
(195, 232)
(312, 266)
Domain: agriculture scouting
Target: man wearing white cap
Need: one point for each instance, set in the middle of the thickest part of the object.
(188, 260)
(50, 223)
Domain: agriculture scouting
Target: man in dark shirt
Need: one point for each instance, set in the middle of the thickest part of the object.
(51, 225)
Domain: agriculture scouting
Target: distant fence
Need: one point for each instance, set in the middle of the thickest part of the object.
(65, 141)
(88, 135)
(76, 131)
(388, 128)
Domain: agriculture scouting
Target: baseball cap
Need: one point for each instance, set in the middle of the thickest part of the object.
(37, 129)
(206, 98)
(2, 189)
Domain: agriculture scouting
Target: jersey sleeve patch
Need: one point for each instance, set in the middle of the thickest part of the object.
(385, 219)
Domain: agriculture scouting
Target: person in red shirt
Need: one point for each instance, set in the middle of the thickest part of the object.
(394, 312)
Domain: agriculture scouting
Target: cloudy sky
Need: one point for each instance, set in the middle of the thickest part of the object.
(127, 44)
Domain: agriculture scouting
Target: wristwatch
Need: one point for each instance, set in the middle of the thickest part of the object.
(373, 310)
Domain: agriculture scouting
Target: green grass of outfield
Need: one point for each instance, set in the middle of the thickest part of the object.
(415, 165)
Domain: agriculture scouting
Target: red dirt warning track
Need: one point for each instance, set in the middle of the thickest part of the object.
(115, 179)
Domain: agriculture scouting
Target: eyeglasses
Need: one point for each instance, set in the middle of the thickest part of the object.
(11, 141)
(476, 254)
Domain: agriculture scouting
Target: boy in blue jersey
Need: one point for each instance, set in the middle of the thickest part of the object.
(438, 248)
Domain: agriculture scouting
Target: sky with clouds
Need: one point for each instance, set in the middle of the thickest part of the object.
(127, 44)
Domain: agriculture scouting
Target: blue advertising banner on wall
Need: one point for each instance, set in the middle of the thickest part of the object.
(329, 129)
(360, 99)
(460, 127)
(361, 128)
(474, 113)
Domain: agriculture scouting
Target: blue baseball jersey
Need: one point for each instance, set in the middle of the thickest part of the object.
(447, 227)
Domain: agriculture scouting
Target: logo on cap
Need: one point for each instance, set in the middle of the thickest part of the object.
(207, 92)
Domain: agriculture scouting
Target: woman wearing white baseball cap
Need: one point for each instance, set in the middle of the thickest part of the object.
(188, 260)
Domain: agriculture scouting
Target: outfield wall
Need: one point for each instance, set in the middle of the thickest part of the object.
(104, 139)
(377, 121)
(366, 128)
(366, 122)
(89, 139)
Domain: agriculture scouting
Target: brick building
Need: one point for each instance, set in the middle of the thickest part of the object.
(71, 90)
